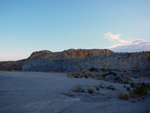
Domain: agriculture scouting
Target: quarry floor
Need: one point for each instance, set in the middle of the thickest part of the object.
(35, 92)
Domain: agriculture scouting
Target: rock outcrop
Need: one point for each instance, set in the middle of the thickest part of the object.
(116, 61)
(71, 53)
(75, 60)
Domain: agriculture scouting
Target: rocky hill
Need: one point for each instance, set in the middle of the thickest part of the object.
(71, 53)
(45, 54)
(75, 60)
(116, 61)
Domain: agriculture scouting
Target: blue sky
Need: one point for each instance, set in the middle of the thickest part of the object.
(56, 25)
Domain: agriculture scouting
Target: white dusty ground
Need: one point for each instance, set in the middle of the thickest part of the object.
(30, 92)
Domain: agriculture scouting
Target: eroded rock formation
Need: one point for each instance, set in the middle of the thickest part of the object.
(75, 60)
(71, 53)
(116, 61)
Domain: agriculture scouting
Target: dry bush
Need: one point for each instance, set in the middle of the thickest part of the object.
(78, 88)
(126, 77)
(123, 96)
(110, 87)
(91, 90)
(97, 88)
(132, 84)
(128, 88)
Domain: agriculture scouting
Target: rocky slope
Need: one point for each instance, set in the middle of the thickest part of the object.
(116, 61)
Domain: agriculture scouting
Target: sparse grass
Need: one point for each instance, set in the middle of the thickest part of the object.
(78, 88)
(123, 96)
(91, 90)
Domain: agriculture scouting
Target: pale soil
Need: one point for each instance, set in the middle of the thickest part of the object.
(31, 92)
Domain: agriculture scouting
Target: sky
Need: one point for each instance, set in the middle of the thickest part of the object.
(56, 25)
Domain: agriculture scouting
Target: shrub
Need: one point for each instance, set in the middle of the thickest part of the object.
(123, 96)
(140, 91)
(128, 88)
(104, 75)
(76, 76)
(110, 87)
(97, 88)
(132, 84)
(78, 88)
(117, 78)
(126, 82)
(86, 76)
(93, 69)
(91, 90)
(126, 77)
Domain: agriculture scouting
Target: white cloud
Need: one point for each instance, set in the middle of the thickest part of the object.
(127, 46)
(111, 36)
(132, 46)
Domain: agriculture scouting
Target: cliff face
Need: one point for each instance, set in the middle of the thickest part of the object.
(71, 53)
(118, 61)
